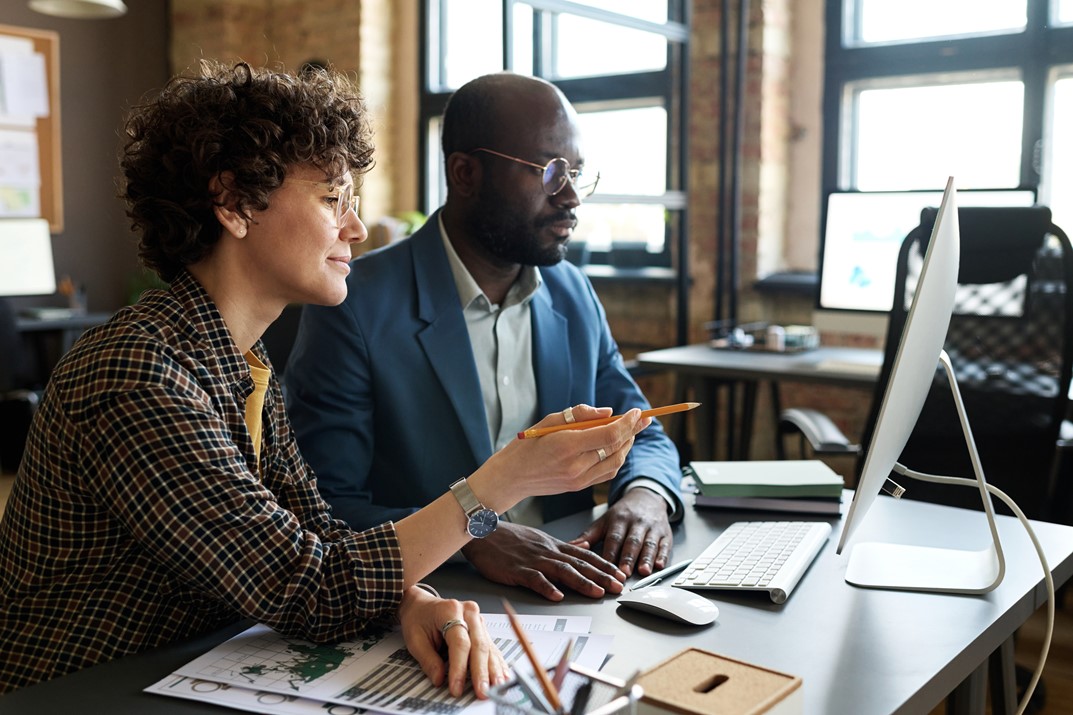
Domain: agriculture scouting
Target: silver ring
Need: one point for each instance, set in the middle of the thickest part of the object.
(601, 454)
(451, 624)
(568, 415)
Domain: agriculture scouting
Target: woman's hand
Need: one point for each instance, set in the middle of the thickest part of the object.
(565, 461)
(466, 640)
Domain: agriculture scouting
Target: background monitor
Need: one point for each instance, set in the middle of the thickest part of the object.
(26, 257)
(863, 232)
(903, 566)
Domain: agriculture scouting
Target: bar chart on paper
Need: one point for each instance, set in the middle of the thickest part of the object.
(262, 670)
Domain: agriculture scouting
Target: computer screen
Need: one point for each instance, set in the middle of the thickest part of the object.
(26, 257)
(863, 232)
(886, 565)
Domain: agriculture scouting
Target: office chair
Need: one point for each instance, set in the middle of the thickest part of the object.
(1011, 345)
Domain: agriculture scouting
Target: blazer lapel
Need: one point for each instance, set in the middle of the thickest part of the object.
(551, 354)
(445, 330)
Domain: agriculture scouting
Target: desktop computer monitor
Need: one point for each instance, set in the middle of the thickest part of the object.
(26, 257)
(863, 232)
(919, 353)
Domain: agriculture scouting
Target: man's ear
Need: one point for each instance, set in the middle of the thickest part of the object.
(226, 205)
(464, 174)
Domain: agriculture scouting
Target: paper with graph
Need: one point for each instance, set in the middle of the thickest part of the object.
(260, 670)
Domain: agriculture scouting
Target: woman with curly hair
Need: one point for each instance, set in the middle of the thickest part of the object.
(161, 494)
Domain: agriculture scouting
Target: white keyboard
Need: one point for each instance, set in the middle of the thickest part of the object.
(757, 556)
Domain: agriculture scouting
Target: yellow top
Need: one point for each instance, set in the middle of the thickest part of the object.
(255, 403)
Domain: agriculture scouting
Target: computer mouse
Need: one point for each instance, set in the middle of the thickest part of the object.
(676, 604)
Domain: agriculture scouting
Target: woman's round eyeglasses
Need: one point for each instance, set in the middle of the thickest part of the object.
(555, 174)
(345, 198)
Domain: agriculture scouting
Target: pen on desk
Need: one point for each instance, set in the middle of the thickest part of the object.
(660, 575)
(585, 424)
(538, 669)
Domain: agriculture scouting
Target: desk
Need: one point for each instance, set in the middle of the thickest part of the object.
(66, 329)
(708, 369)
(858, 651)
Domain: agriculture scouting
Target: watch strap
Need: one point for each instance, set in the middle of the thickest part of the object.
(466, 498)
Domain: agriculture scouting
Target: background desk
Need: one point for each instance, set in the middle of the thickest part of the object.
(706, 369)
(859, 651)
(50, 338)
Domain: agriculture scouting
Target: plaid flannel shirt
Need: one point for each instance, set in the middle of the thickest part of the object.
(137, 518)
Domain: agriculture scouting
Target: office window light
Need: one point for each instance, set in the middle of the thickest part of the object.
(1063, 13)
(943, 127)
(917, 90)
(879, 21)
(1058, 169)
(462, 57)
(603, 53)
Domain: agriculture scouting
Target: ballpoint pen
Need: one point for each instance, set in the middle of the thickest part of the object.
(658, 576)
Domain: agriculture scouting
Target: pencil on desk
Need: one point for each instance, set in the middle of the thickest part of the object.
(538, 669)
(585, 424)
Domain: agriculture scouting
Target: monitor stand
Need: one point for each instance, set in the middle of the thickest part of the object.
(924, 568)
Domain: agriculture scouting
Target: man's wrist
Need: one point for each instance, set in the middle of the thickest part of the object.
(653, 486)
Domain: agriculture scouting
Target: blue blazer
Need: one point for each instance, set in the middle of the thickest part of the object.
(384, 397)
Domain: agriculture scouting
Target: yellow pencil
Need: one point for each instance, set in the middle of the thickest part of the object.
(654, 412)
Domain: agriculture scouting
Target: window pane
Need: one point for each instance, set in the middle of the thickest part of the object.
(914, 137)
(436, 181)
(1063, 12)
(906, 20)
(1059, 186)
(600, 224)
(463, 56)
(522, 52)
(587, 48)
(629, 149)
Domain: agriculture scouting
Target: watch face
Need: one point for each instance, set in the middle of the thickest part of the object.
(482, 523)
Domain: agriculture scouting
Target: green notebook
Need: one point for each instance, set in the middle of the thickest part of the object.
(781, 478)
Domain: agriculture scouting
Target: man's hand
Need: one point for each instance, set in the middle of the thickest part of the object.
(635, 531)
(518, 555)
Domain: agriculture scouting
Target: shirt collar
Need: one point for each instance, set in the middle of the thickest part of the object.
(206, 324)
(529, 280)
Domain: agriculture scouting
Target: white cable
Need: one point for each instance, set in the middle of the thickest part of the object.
(1047, 578)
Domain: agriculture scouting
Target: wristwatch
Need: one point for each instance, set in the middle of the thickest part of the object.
(480, 520)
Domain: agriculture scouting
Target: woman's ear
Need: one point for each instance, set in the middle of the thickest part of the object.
(226, 205)
(464, 174)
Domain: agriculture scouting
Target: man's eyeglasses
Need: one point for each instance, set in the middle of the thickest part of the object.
(555, 174)
(345, 198)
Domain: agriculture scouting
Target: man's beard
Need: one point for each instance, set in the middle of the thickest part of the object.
(506, 237)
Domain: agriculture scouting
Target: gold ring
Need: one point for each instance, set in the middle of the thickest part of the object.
(568, 415)
(601, 454)
(451, 624)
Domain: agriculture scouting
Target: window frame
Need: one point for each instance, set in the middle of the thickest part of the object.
(666, 88)
(1033, 53)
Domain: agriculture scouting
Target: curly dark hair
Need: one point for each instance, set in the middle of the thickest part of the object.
(255, 124)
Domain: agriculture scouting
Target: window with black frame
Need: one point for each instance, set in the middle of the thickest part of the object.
(621, 63)
(916, 90)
